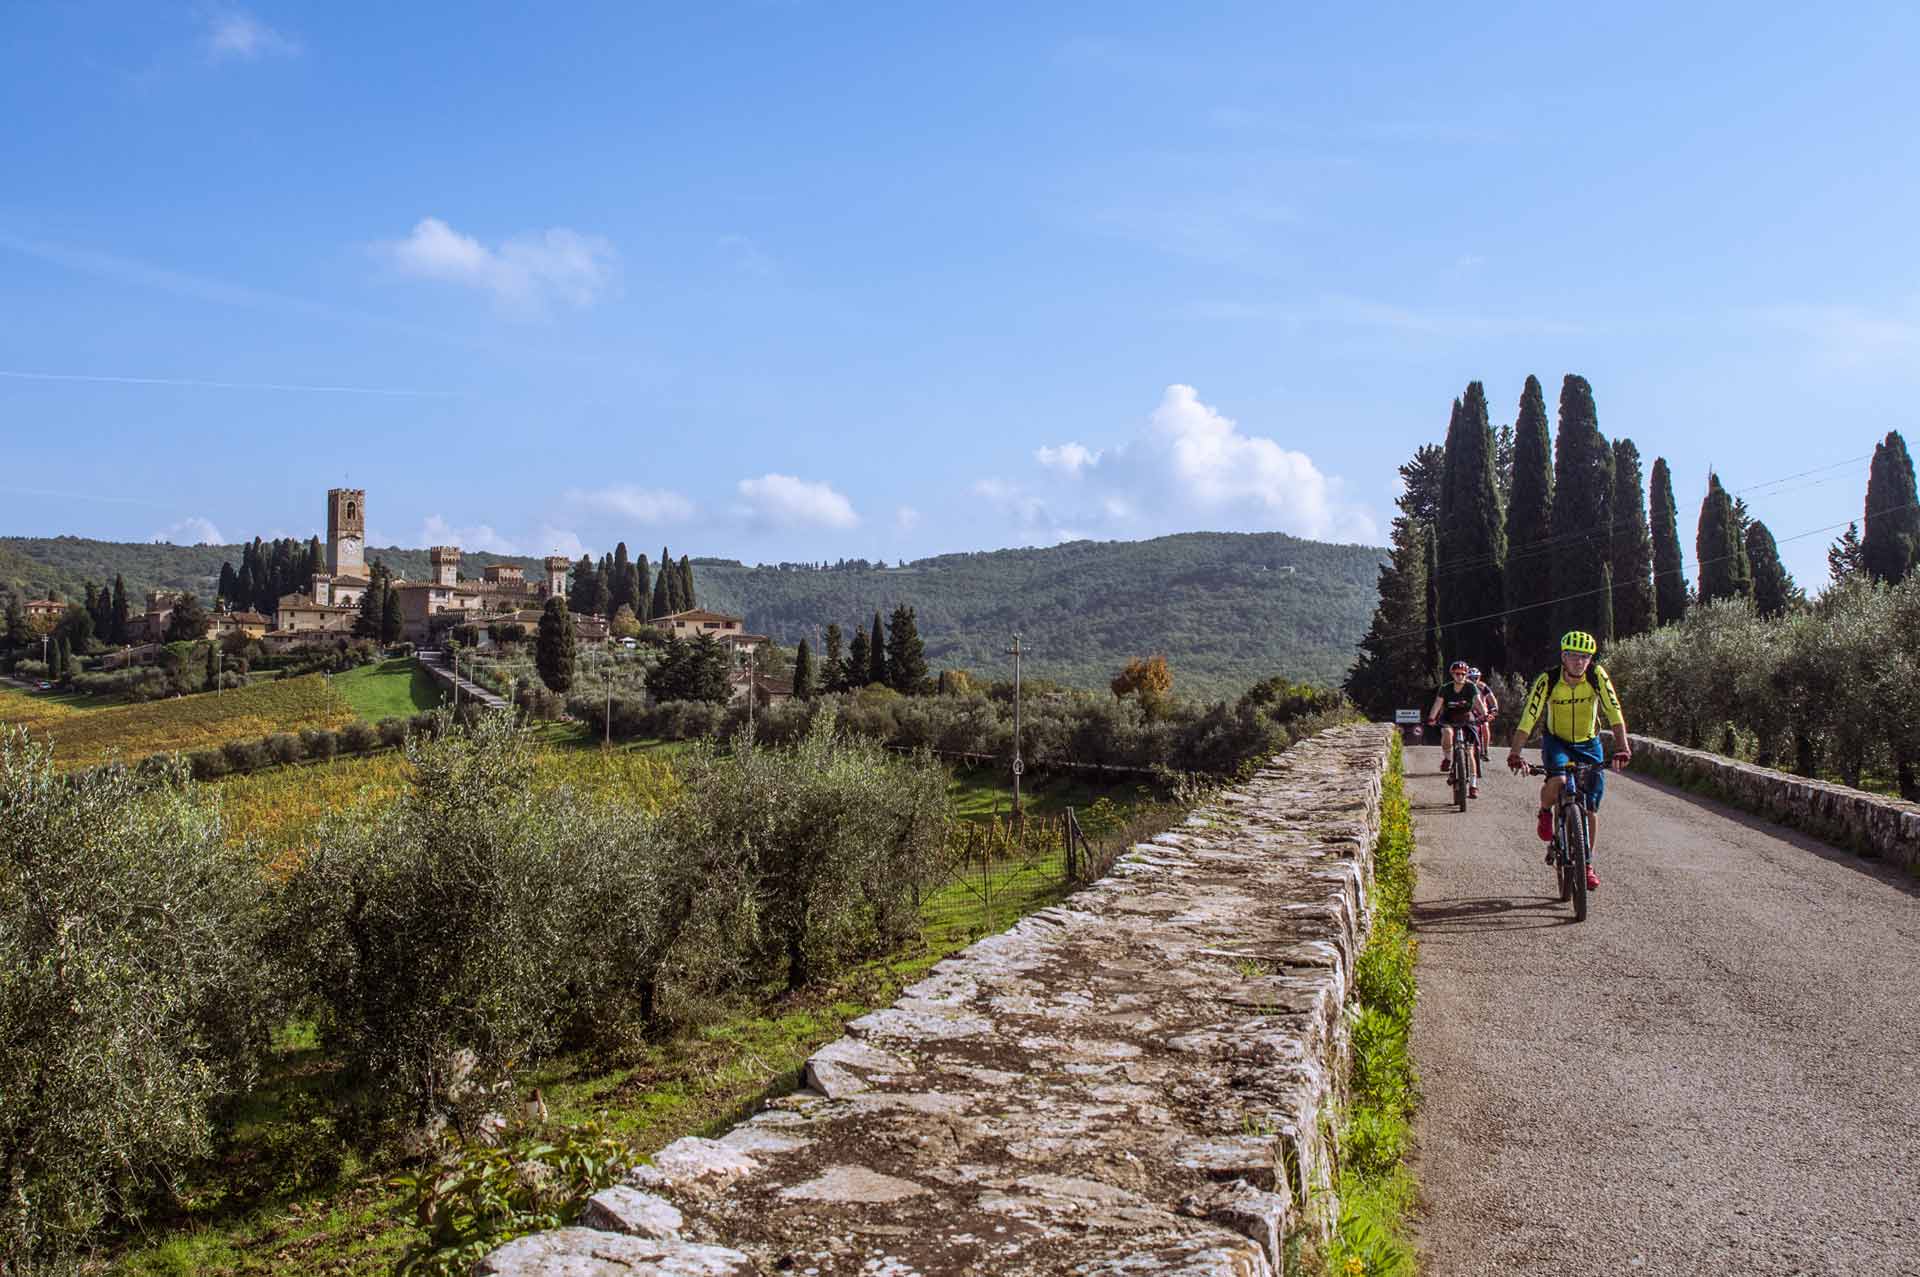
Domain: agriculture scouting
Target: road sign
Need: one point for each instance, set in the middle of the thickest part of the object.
(1406, 716)
(1018, 767)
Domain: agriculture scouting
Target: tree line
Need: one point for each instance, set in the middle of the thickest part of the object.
(1506, 539)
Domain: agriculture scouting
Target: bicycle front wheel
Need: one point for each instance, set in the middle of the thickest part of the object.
(1576, 868)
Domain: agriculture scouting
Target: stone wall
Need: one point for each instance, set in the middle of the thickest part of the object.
(1140, 1080)
(1886, 828)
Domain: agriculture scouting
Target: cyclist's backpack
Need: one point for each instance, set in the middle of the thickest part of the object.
(1553, 676)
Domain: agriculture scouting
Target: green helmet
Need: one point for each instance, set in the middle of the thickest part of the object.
(1578, 641)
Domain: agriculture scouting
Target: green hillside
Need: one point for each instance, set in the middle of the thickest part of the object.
(1224, 607)
(1227, 609)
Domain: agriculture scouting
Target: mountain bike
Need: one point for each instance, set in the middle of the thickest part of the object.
(1572, 831)
(1462, 766)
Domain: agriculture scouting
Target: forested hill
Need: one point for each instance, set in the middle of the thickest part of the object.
(1227, 609)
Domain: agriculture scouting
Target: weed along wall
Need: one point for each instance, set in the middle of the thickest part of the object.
(1885, 828)
(1140, 1080)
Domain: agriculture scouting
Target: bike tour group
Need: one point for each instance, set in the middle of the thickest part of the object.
(1565, 704)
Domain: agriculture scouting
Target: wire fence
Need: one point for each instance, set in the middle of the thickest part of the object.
(1000, 869)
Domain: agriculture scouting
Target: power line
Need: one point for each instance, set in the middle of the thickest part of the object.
(1583, 594)
(1549, 544)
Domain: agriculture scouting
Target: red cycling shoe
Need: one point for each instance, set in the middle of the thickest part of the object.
(1593, 879)
(1545, 827)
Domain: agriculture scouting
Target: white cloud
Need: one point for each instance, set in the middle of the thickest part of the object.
(906, 518)
(630, 501)
(1069, 458)
(234, 34)
(1848, 336)
(523, 273)
(190, 531)
(1191, 467)
(437, 531)
(552, 540)
(780, 500)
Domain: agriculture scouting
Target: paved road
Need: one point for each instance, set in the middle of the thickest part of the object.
(1718, 1072)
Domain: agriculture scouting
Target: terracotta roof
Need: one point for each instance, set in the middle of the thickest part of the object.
(251, 618)
(697, 614)
(742, 638)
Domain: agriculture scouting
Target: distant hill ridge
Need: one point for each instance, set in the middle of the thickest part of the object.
(1227, 609)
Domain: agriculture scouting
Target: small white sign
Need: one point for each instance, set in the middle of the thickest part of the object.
(1406, 716)
(1018, 767)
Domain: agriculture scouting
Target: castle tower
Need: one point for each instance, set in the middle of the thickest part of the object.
(347, 531)
(446, 564)
(556, 566)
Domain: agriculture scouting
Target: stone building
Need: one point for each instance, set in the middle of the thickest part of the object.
(427, 608)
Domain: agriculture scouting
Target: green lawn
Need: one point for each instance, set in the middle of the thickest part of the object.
(397, 688)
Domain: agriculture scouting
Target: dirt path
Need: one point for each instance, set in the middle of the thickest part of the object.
(1718, 1072)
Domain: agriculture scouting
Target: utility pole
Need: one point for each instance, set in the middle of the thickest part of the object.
(606, 672)
(1018, 766)
(750, 690)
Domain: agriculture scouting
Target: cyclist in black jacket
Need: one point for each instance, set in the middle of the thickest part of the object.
(1456, 705)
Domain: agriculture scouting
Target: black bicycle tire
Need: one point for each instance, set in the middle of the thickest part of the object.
(1577, 862)
(1460, 766)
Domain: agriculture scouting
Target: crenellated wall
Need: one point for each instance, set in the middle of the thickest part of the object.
(1140, 1080)
(1873, 825)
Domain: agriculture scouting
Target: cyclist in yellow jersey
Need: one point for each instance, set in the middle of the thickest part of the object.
(1566, 704)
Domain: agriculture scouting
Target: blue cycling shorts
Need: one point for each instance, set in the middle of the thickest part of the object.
(1556, 754)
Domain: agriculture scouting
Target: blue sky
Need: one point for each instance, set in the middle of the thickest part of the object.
(800, 281)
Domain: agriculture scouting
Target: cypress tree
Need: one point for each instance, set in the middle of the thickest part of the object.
(687, 596)
(553, 648)
(1529, 576)
(1773, 588)
(122, 619)
(1472, 543)
(229, 588)
(663, 589)
(803, 672)
(63, 656)
(857, 661)
(1582, 517)
(906, 654)
(833, 670)
(188, 623)
(316, 561)
(877, 654)
(1843, 556)
(391, 622)
(642, 589)
(213, 666)
(1633, 604)
(1890, 547)
(1419, 501)
(1505, 447)
(1670, 593)
(1392, 671)
(620, 587)
(1725, 572)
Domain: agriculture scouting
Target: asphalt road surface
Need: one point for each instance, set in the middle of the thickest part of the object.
(1717, 1072)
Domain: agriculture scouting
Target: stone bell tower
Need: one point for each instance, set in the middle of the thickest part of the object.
(446, 564)
(347, 531)
(556, 566)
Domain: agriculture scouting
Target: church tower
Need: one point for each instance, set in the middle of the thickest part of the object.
(556, 567)
(446, 564)
(347, 531)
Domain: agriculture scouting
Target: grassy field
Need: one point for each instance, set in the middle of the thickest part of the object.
(389, 689)
(85, 736)
(281, 809)
(979, 793)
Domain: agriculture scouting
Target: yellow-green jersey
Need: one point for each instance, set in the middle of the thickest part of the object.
(1570, 710)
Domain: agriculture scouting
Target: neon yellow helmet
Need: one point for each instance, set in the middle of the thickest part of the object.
(1578, 641)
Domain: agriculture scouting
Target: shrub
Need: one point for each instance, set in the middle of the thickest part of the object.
(318, 743)
(206, 764)
(393, 732)
(245, 755)
(131, 996)
(840, 837)
(358, 738)
(283, 748)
